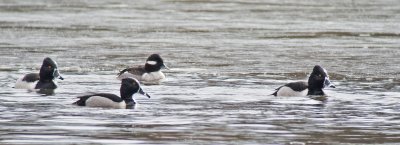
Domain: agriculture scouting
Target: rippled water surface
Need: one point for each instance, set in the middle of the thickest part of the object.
(226, 58)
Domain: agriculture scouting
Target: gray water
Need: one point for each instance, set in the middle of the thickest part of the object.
(226, 58)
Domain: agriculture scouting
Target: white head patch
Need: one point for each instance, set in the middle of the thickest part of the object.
(151, 62)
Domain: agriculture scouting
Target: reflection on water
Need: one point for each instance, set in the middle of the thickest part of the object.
(46, 92)
(227, 57)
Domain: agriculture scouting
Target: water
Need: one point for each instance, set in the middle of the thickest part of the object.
(226, 58)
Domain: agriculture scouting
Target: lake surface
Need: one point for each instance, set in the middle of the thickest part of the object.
(226, 58)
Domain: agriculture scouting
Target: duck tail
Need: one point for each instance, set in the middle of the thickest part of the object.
(122, 71)
(276, 91)
(82, 100)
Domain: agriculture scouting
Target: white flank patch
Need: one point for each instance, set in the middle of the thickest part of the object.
(286, 91)
(151, 62)
(24, 84)
(98, 101)
(153, 77)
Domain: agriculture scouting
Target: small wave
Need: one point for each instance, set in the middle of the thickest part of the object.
(332, 34)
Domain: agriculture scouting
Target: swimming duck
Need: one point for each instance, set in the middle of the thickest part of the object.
(317, 81)
(44, 80)
(129, 86)
(150, 73)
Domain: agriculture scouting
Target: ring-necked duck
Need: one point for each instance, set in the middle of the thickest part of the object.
(44, 80)
(318, 80)
(129, 86)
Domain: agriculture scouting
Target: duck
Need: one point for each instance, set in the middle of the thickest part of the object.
(317, 81)
(129, 86)
(44, 80)
(148, 74)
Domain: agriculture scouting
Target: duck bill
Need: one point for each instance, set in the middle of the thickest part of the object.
(56, 74)
(165, 67)
(327, 83)
(143, 93)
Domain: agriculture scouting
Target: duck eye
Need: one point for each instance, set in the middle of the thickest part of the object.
(49, 66)
(319, 75)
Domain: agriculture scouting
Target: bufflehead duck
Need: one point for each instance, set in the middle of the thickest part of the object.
(318, 80)
(129, 86)
(44, 80)
(150, 73)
